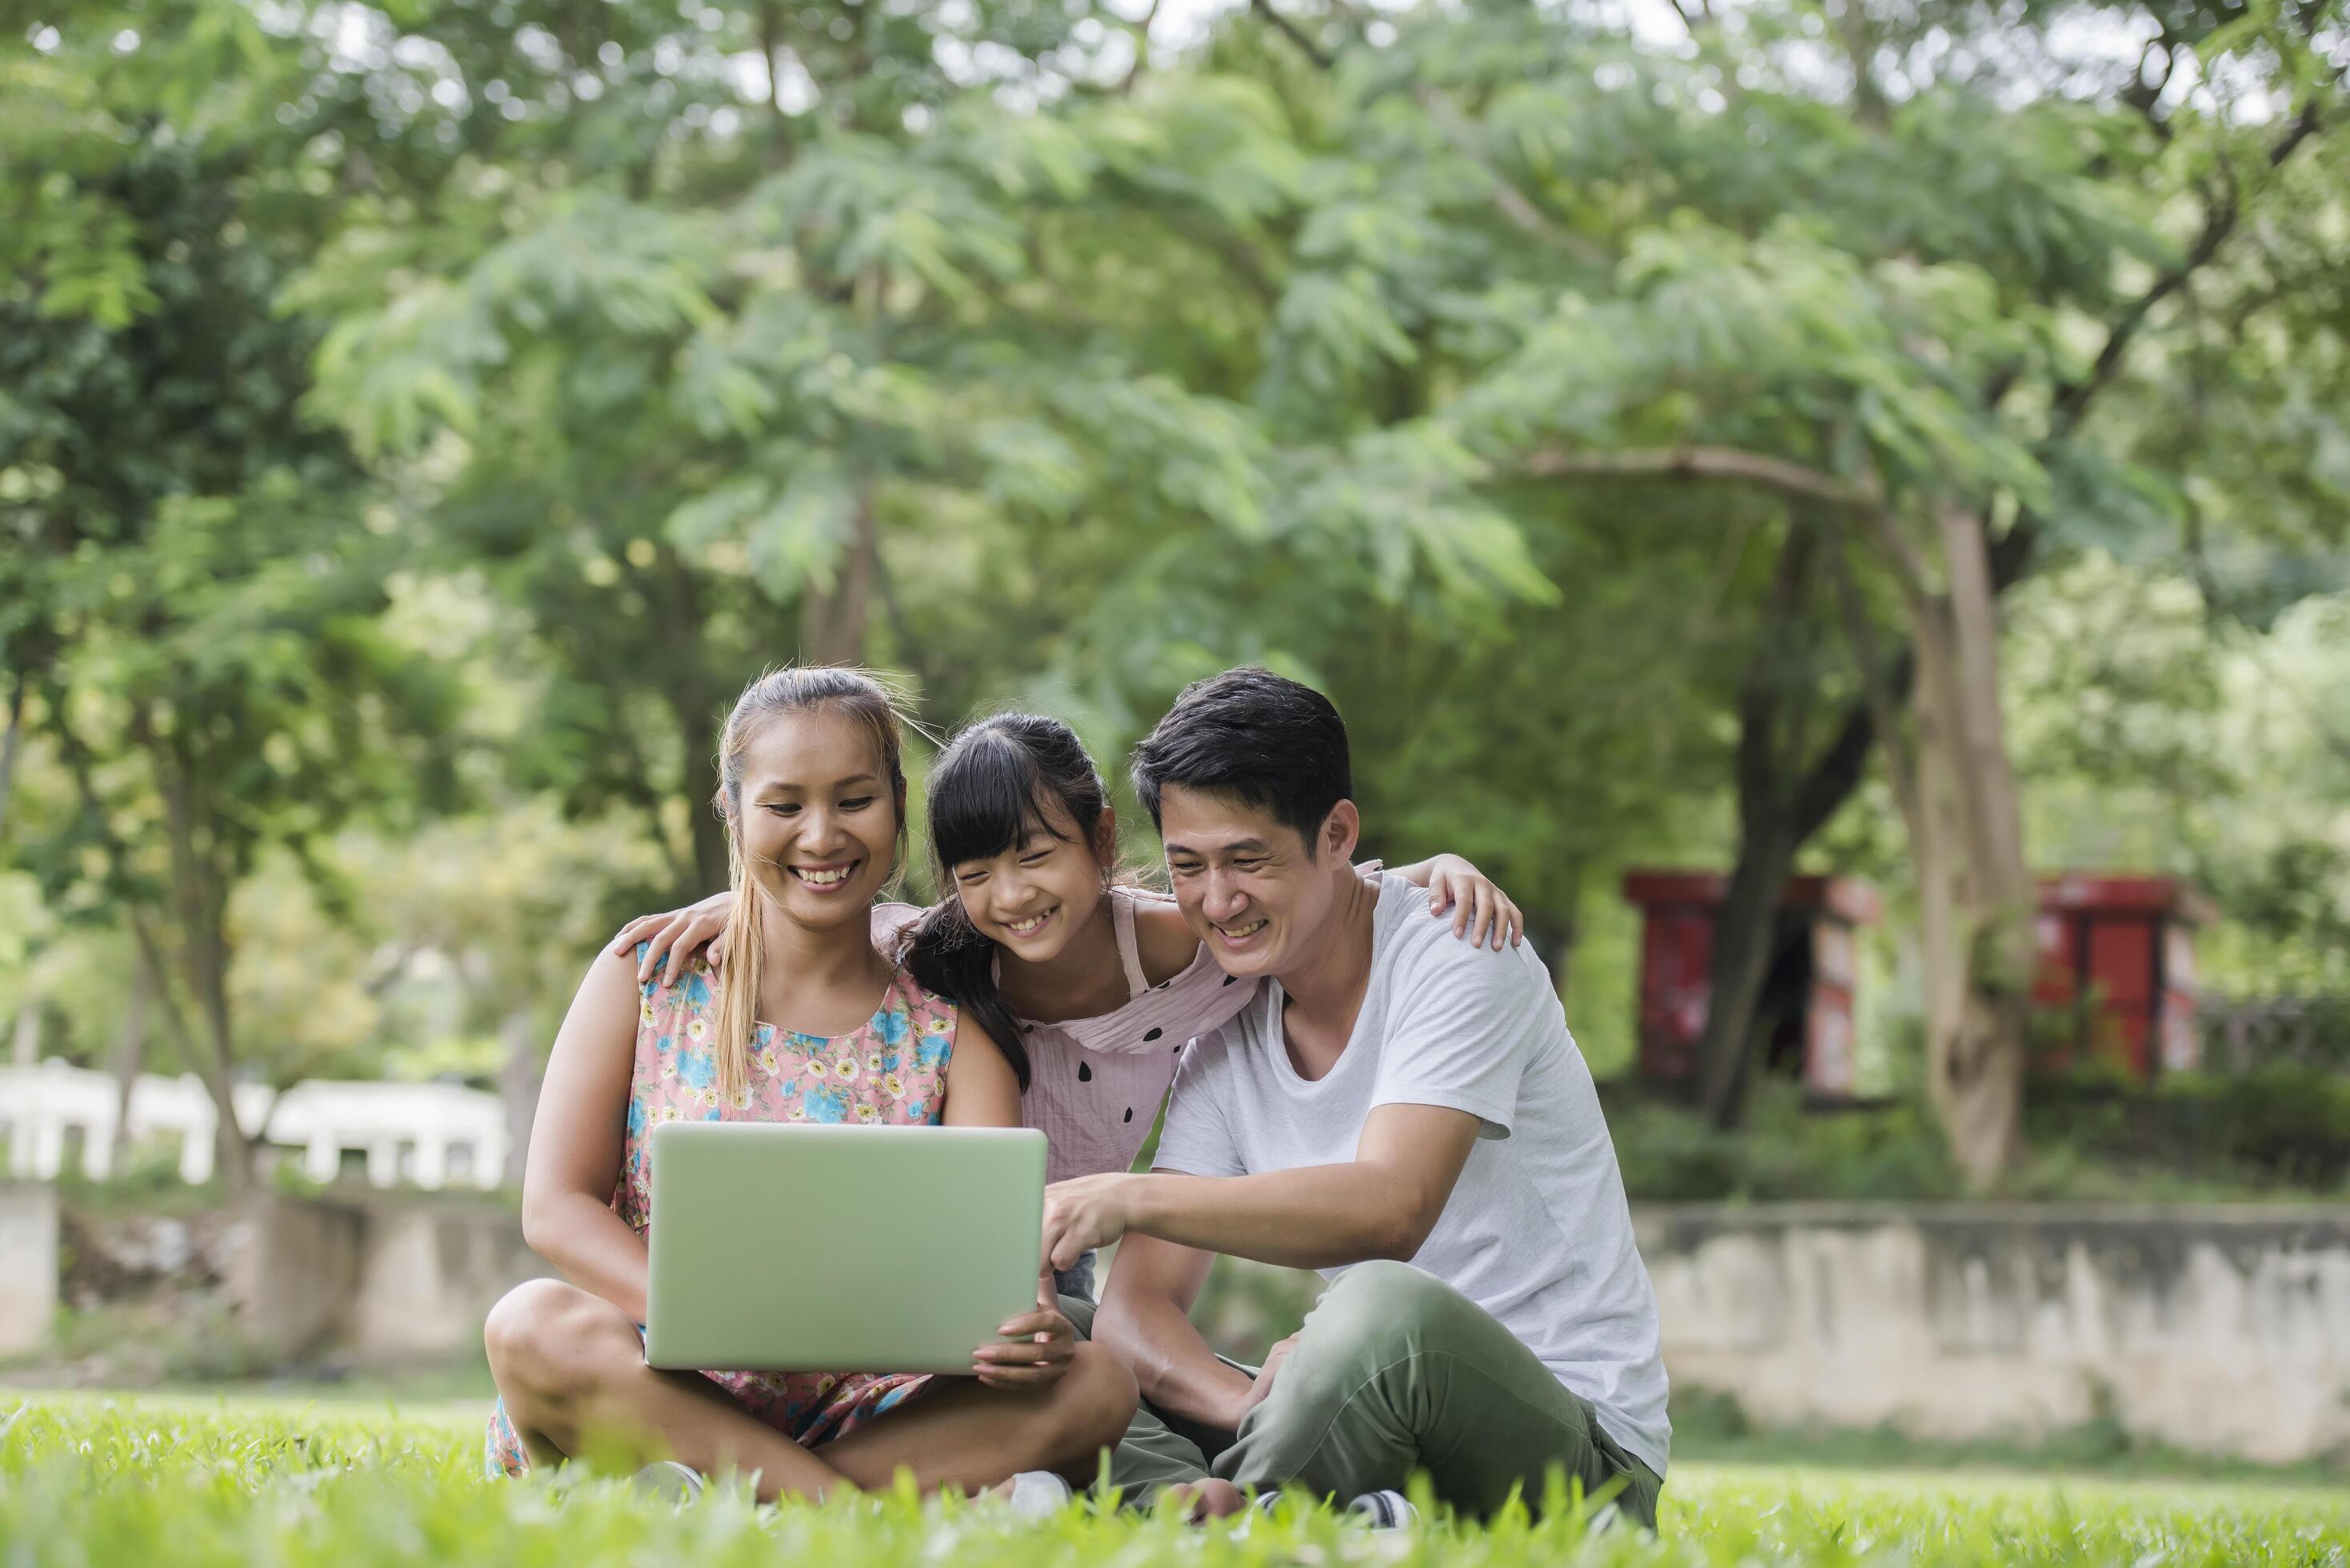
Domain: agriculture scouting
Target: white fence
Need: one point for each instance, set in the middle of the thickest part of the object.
(418, 1134)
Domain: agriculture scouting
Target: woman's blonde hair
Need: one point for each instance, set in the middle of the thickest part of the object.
(794, 689)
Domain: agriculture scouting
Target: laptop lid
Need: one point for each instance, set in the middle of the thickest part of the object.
(785, 1246)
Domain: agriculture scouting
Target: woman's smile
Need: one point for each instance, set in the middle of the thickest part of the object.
(828, 877)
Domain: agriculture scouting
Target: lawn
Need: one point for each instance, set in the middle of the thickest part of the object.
(154, 1479)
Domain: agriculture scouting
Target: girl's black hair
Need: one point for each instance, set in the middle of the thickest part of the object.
(988, 792)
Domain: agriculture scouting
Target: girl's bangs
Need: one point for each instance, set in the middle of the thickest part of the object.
(985, 797)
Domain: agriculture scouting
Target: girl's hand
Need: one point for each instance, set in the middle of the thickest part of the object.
(1478, 906)
(677, 933)
(1038, 1348)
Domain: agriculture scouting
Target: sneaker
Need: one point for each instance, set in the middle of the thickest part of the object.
(1385, 1511)
(1038, 1494)
(1259, 1507)
(669, 1482)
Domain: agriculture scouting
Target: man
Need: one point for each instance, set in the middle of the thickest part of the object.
(1404, 1112)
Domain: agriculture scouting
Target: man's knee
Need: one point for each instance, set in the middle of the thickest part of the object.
(1385, 1303)
(552, 1339)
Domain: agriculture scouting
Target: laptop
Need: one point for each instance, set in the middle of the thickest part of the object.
(796, 1248)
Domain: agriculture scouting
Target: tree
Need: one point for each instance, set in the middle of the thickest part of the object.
(195, 612)
(1854, 306)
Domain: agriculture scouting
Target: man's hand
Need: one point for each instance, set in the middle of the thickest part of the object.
(1080, 1215)
(1263, 1385)
(1036, 1350)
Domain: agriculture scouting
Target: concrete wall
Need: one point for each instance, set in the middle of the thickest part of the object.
(2224, 1330)
(28, 1267)
(2221, 1330)
(383, 1280)
(429, 1275)
(293, 1270)
(375, 1281)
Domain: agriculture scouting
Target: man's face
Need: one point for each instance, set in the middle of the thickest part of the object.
(1243, 879)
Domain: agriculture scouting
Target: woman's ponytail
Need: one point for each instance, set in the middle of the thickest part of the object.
(738, 980)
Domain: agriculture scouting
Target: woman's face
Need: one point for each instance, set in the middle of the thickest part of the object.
(819, 818)
(1035, 895)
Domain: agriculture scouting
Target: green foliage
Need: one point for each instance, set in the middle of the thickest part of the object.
(2284, 1126)
(433, 412)
(202, 1482)
(2276, 1133)
(1782, 1154)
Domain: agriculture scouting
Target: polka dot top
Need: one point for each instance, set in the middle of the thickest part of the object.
(1095, 1083)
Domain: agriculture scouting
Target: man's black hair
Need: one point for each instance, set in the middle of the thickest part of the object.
(1255, 735)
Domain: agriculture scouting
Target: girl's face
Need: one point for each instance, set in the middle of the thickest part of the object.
(819, 818)
(1035, 895)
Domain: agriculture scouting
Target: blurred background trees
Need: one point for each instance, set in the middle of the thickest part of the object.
(1909, 441)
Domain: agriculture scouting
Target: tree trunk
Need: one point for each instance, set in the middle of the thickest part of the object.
(1745, 939)
(231, 1149)
(11, 739)
(200, 899)
(1868, 720)
(697, 718)
(834, 622)
(1975, 892)
(129, 1055)
(518, 1080)
(1745, 929)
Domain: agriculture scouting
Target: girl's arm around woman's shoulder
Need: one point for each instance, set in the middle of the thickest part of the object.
(982, 1089)
(576, 1140)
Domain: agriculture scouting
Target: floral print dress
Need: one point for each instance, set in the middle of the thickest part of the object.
(891, 1072)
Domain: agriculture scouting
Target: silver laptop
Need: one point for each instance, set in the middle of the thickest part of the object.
(792, 1248)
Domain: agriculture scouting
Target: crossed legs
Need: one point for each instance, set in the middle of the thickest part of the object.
(1395, 1371)
(571, 1370)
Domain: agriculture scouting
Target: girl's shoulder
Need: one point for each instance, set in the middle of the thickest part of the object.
(1162, 939)
(1182, 1000)
(889, 923)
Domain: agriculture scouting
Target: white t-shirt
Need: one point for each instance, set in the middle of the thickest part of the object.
(1536, 1232)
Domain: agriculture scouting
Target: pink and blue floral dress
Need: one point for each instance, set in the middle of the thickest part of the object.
(890, 1071)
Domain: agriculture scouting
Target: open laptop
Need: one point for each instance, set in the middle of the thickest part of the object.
(795, 1248)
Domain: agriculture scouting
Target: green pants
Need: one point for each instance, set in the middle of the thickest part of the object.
(1395, 1371)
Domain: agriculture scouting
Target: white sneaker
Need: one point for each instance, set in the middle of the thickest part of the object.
(669, 1482)
(1038, 1494)
(1385, 1511)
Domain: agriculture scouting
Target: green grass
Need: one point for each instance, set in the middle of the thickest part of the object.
(154, 1479)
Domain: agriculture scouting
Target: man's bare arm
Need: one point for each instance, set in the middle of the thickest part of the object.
(1145, 1320)
(1380, 1204)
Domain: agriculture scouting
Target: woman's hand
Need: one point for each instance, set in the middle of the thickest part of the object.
(677, 934)
(1478, 906)
(1036, 1349)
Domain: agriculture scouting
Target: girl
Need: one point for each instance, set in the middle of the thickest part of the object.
(1092, 985)
(814, 796)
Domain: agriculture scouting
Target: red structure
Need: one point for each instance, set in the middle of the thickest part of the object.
(2117, 954)
(1808, 995)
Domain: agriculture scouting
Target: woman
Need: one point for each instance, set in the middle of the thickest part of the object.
(812, 791)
